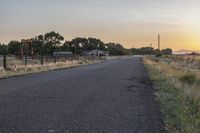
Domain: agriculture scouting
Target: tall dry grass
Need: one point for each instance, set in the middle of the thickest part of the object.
(183, 62)
(178, 91)
(17, 69)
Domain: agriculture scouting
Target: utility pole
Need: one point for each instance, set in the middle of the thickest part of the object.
(159, 41)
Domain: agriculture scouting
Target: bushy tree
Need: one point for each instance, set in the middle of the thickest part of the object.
(66, 46)
(133, 51)
(39, 46)
(14, 47)
(3, 49)
(167, 51)
(52, 41)
(95, 44)
(116, 49)
(83, 44)
(79, 44)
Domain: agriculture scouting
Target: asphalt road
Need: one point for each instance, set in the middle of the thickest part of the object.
(110, 97)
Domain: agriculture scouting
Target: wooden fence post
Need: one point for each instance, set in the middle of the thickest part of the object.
(26, 60)
(42, 60)
(4, 62)
(55, 59)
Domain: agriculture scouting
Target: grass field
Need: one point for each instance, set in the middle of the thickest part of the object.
(177, 83)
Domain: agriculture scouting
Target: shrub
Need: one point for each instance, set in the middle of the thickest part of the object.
(188, 78)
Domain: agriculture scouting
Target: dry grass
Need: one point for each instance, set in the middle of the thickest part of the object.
(178, 91)
(183, 62)
(18, 69)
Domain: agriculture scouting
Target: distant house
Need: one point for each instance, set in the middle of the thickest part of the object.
(95, 53)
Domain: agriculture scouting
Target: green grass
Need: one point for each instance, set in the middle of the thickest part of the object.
(180, 103)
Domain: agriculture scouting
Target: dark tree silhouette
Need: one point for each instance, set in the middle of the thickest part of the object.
(167, 51)
(3, 49)
(116, 49)
(14, 47)
(52, 41)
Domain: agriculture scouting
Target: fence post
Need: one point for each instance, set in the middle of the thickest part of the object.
(55, 58)
(4, 62)
(85, 58)
(42, 60)
(26, 60)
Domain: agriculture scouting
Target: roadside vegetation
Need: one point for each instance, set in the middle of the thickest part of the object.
(22, 70)
(177, 83)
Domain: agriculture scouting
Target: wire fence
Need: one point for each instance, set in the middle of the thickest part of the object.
(11, 62)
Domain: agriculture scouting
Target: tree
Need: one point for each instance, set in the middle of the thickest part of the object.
(82, 44)
(116, 49)
(14, 47)
(79, 44)
(167, 51)
(94, 43)
(146, 50)
(134, 51)
(66, 46)
(39, 46)
(3, 49)
(53, 41)
(157, 52)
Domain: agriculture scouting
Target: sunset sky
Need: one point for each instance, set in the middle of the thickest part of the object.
(134, 23)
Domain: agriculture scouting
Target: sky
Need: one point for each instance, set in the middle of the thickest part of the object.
(133, 23)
